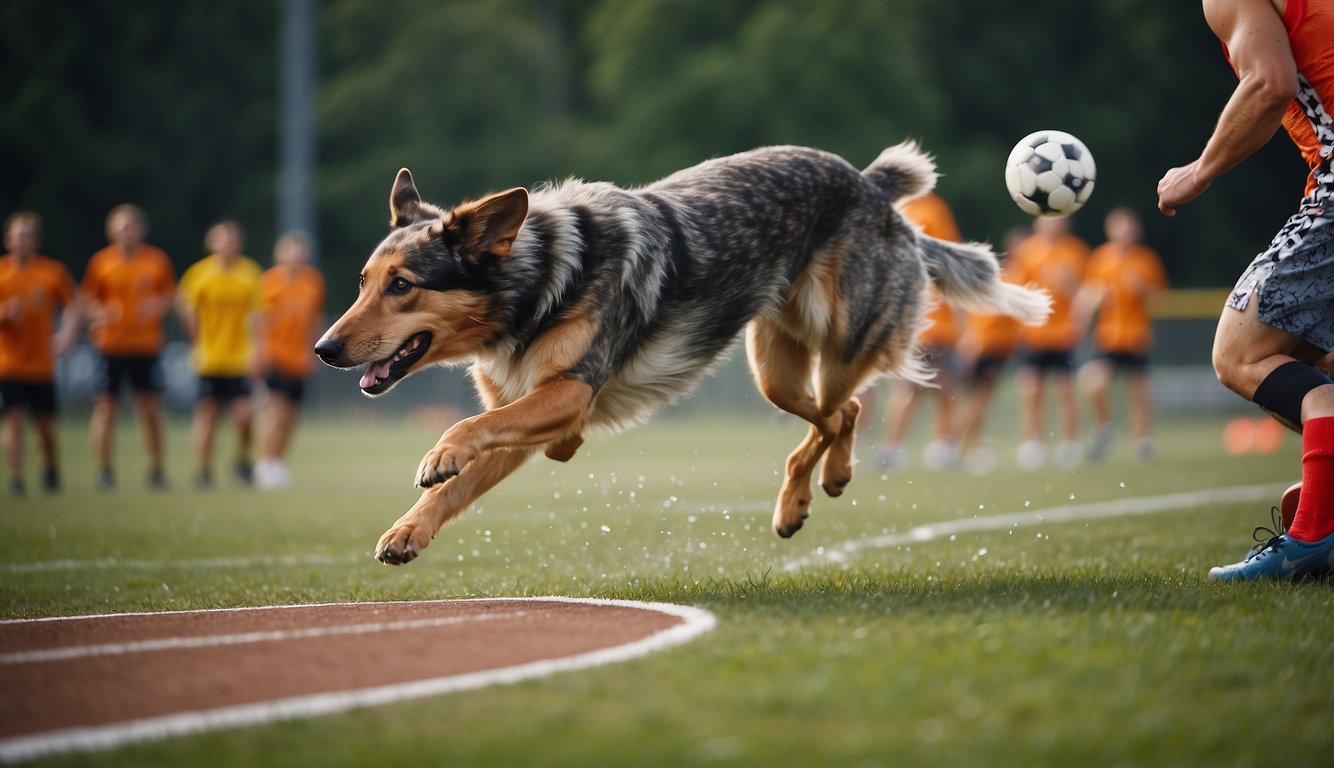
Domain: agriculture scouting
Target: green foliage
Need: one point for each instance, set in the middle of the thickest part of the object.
(171, 106)
(174, 107)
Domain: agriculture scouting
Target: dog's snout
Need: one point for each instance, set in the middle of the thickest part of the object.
(329, 350)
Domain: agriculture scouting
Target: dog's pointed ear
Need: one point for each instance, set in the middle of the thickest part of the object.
(404, 202)
(491, 224)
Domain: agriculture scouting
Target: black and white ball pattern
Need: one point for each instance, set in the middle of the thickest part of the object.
(1050, 173)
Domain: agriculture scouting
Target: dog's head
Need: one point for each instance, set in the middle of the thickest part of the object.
(426, 293)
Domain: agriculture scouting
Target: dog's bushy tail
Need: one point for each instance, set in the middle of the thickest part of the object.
(903, 171)
(966, 274)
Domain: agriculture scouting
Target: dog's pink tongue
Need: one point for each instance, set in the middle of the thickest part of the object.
(375, 373)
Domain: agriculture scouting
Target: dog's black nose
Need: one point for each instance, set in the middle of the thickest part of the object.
(329, 350)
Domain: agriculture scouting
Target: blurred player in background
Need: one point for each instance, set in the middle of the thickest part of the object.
(33, 289)
(1123, 275)
(218, 301)
(1053, 259)
(127, 291)
(291, 305)
(936, 341)
(986, 346)
(1279, 319)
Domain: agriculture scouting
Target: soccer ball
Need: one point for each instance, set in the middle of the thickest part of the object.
(1050, 173)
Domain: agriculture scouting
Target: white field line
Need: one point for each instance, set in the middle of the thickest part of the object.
(695, 622)
(1140, 505)
(243, 638)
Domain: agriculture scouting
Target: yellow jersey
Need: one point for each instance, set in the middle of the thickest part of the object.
(223, 299)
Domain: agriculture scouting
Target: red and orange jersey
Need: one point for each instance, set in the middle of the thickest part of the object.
(1127, 277)
(1055, 264)
(933, 215)
(291, 301)
(32, 293)
(1310, 25)
(134, 294)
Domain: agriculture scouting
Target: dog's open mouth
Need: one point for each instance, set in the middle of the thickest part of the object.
(384, 374)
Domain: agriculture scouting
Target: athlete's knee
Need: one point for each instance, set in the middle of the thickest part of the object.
(1283, 390)
(1231, 373)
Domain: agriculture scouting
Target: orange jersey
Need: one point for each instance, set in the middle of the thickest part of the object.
(1310, 25)
(290, 304)
(992, 335)
(933, 215)
(1128, 277)
(37, 289)
(135, 295)
(941, 329)
(1057, 266)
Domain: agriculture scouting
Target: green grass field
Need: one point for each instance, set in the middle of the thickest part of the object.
(1083, 642)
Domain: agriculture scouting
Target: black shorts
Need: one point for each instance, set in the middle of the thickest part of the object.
(144, 373)
(290, 387)
(224, 389)
(37, 397)
(1126, 362)
(986, 369)
(1050, 360)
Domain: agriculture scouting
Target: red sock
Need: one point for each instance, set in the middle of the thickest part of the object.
(1315, 509)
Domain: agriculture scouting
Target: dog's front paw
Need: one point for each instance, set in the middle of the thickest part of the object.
(443, 462)
(791, 512)
(402, 543)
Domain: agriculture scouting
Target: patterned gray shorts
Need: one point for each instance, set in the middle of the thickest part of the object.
(1293, 279)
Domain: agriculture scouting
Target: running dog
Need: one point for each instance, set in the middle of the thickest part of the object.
(584, 306)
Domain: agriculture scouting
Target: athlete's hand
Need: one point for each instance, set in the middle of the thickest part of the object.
(1178, 187)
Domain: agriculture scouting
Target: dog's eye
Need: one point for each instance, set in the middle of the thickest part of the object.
(361, 282)
(399, 286)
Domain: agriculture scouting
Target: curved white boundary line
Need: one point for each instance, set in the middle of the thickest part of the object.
(695, 622)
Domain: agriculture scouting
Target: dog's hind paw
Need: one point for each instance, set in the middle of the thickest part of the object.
(835, 488)
(400, 545)
(442, 463)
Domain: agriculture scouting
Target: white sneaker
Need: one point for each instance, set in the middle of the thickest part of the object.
(1145, 449)
(980, 460)
(271, 474)
(1032, 454)
(940, 455)
(1100, 445)
(1069, 454)
(891, 458)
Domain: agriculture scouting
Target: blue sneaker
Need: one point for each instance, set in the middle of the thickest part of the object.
(1266, 537)
(1282, 558)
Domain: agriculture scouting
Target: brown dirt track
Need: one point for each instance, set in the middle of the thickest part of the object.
(81, 674)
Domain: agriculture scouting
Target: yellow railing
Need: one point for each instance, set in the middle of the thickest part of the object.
(1189, 303)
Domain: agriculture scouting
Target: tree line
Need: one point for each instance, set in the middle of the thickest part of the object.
(174, 106)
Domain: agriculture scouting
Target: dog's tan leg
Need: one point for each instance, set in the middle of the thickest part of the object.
(442, 503)
(837, 470)
(782, 368)
(839, 380)
(552, 413)
(563, 450)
